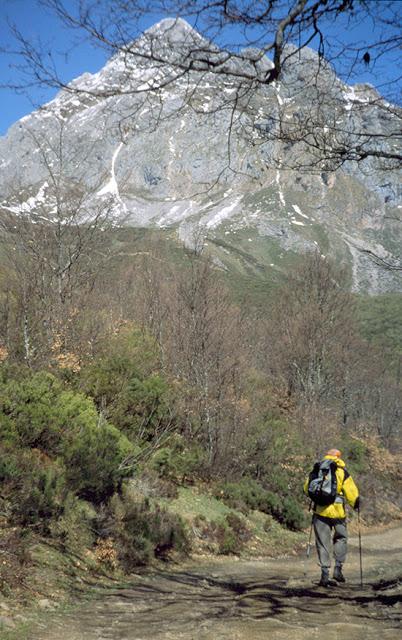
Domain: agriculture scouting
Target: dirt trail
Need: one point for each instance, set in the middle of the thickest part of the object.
(249, 600)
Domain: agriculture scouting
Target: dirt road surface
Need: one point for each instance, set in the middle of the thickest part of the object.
(274, 599)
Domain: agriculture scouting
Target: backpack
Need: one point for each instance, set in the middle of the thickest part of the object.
(322, 483)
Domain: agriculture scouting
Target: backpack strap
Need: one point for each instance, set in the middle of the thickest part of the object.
(339, 496)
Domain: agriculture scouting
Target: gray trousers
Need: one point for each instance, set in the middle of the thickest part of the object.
(323, 530)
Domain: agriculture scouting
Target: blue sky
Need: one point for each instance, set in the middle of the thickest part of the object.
(36, 22)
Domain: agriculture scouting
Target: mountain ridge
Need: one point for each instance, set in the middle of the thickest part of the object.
(188, 152)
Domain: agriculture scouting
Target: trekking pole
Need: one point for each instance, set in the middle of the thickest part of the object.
(311, 533)
(360, 548)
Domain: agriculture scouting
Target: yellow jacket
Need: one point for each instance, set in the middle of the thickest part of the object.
(346, 490)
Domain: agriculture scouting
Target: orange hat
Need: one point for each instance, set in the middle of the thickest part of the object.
(334, 452)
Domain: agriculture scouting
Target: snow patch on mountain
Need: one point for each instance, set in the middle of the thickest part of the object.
(221, 215)
(31, 204)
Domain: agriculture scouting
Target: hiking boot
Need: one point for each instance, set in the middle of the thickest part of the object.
(338, 575)
(324, 582)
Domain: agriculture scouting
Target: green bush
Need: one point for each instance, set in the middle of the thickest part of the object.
(273, 504)
(41, 498)
(249, 494)
(29, 412)
(229, 534)
(75, 527)
(38, 414)
(355, 452)
(36, 487)
(286, 510)
(124, 383)
(139, 407)
(243, 495)
(228, 542)
(95, 461)
(239, 528)
(142, 531)
(178, 460)
(291, 515)
(9, 467)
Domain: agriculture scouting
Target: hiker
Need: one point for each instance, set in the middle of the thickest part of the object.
(329, 516)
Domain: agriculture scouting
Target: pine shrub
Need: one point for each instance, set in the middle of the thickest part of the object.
(248, 494)
(142, 531)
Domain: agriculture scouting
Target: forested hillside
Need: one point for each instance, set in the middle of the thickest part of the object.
(148, 406)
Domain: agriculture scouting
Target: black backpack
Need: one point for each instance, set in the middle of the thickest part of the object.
(322, 483)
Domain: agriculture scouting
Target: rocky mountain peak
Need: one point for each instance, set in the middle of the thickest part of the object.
(153, 143)
(175, 30)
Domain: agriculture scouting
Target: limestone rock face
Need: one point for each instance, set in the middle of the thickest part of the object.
(170, 148)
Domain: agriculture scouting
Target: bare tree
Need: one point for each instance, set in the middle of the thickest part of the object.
(312, 332)
(335, 380)
(198, 328)
(310, 346)
(200, 333)
(56, 242)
